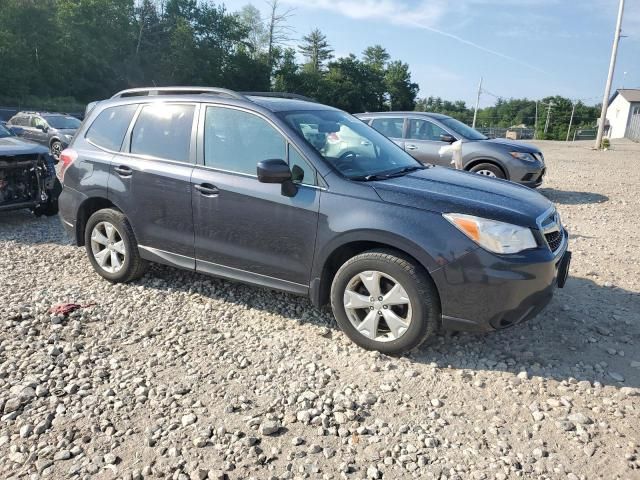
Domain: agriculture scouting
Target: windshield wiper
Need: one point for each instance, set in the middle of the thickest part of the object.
(405, 170)
(386, 176)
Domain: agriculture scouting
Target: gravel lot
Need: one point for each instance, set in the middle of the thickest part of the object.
(188, 377)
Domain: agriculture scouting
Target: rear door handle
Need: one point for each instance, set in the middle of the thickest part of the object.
(123, 171)
(411, 147)
(207, 190)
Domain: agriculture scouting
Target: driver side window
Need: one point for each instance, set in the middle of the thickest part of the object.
(425, 130)
(38, 122)
(301, 172)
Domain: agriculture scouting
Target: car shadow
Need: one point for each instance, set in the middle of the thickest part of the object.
(564, 197)
(588, 332)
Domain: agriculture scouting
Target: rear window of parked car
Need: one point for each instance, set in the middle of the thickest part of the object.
(109, 129)
(164, 131)
(389, 127)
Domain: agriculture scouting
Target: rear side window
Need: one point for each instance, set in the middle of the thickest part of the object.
(164, 131)
(108, 130)
(21, 121)
(389, 127)
(236, 141)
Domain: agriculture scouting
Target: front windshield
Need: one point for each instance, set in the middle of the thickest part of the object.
(62, 122)
(356, 150)
(462, 129)
(4, 132)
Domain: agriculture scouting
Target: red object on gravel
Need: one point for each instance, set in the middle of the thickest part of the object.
(67, 308)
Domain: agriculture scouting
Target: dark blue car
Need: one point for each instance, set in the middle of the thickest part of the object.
(258, 189)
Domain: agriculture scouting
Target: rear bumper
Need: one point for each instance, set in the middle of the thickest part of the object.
(482, 291)
(69, 203)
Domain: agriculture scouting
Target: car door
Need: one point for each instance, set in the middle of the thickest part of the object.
(245, 229)
(150, 180)
(391, 127)
(24, 122)
(423, 142)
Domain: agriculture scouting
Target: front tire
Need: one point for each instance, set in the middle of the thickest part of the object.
(384, 301)
(488, 170)
(112, 247)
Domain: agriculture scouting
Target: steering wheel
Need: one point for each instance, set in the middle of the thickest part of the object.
(347, 154)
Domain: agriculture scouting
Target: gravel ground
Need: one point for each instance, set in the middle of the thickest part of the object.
(188, 377)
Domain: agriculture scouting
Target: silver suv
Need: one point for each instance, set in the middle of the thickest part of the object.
(422, 135)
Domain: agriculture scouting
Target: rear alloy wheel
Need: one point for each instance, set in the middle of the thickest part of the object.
(112, 248)
(56, 149)
(488, 170)
(384, 301)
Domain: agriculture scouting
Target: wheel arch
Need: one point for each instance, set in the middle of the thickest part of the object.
(492, 161)
(338, 253)
(85, 210)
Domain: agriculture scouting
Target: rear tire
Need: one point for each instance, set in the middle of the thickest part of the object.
(407, 315)
(112, 248)
(488, 170)
(56, 149)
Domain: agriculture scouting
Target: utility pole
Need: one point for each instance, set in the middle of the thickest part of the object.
(573, 110)
(535, 124)
(546, 124)
(612, 67)
(475, 112)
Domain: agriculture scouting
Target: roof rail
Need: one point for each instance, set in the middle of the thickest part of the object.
(290, 96)
(155, 91)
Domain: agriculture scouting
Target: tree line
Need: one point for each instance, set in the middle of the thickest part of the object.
(522, 111)
(60, 54)
(88, 49)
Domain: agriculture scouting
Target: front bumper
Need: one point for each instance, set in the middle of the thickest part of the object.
(482, 291)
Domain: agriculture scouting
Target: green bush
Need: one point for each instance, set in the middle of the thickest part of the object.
(606, 144)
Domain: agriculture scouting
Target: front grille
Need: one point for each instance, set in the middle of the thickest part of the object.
(554, 240)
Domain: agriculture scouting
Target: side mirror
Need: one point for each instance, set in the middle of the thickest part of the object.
(277, 171)
(447, 138)
(41, 128)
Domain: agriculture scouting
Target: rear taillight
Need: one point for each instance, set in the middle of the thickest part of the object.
(67, 157)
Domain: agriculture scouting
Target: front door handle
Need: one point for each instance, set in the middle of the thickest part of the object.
(411, 147)
(123, 171)
(207, 190)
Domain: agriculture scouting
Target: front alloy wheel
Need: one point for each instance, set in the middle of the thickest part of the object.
(378, 306)
(384, 300)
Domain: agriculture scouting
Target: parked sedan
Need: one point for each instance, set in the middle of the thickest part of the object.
(423, 134)
(54, 130)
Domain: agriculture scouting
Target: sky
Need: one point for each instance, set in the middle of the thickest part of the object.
(521, 48)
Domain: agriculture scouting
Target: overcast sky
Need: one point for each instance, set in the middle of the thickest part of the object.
(522, 48)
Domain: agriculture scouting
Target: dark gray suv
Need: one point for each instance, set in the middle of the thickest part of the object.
(423, 134)
(54, 130)
(252, 187)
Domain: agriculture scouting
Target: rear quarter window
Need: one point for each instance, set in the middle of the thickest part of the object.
(109, 128)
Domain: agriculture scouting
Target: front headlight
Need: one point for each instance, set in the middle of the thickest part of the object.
(527, 157)
(497, 237)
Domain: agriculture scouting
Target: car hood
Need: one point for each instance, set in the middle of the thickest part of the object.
(10, 146)
(444, 190)
(513, 146)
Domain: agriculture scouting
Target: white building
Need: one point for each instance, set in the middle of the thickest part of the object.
(623, 114)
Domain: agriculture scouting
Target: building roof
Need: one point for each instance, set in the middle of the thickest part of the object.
(629, 94)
